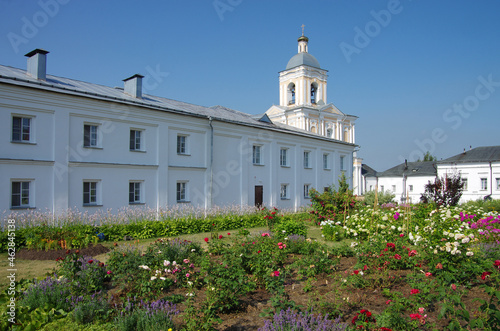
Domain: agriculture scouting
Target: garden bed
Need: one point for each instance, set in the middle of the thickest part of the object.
(53, 254)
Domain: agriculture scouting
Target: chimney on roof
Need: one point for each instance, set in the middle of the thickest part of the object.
(133, 86)
(37, 64)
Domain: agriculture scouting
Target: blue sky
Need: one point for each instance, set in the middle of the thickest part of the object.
(420, 75)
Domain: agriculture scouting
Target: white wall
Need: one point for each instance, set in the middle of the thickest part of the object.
(473, 172)
(57, 163)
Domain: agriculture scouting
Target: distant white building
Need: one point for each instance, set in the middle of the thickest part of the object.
(406, 180)
(72, 144)
(479, 168)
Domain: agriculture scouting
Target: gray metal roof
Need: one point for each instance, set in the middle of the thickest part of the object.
(368, 171)
(410, 169)
(478, 154)
(302, 59)
(15, 76)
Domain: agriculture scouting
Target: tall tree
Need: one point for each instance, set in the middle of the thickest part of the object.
(428, 157)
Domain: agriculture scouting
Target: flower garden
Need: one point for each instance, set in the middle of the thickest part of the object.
(410, 267)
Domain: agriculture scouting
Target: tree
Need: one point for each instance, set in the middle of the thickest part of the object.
(445, 191)
(383, 197)
(428, 157)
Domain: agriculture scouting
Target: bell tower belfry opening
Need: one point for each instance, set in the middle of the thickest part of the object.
(303, 98)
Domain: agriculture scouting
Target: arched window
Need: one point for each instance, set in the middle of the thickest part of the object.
(291, 94)
(314, 92)
(329, 132)
(313, 129)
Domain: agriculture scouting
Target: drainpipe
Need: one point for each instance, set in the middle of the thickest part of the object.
(211, 160)
(491, 181)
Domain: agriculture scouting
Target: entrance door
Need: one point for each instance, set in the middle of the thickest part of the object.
(259, 189)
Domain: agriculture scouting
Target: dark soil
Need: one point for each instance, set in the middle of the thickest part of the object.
(33, 254)
(324, 293)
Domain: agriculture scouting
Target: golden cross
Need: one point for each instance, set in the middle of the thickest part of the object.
(302, 28)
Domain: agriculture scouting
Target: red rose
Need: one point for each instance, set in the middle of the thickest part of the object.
(206, 240)
(485, 274)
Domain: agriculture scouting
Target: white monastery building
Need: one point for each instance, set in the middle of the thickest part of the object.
(478, 167)
(72, 144)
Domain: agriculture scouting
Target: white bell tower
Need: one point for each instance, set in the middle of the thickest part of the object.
(303, 82)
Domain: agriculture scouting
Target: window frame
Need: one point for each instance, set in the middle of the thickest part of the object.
(497, 180)
(326, 164)
(393, 187)
(466, 183)
(133, 142)
(181, 143)
(181, 192)
(257, 155)
(30, 132)
(307, 188)
(410, 188)
(342, 163)
(307, 160)
(135, 185)
(88, 140)
(284, 192)
(484, 184)
(96, 195)
(284, 157)
(24, 193)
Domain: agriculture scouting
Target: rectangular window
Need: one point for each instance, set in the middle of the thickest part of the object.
(382, 188)
(284, 192)
(325, 161)
(20, 194)
(393, 188)
(283, 157)
(90, 193)
(466, 183)
(326, 189)
(410, 188)
(21, 129)
(256, 154)
(307, 161)
(307, 187)
(134, 192)
(498, 183)
(342, 166)
(135, 140)
(181, 144)
(484, 184)
(90, 135)
(181, 192)
(371, 187)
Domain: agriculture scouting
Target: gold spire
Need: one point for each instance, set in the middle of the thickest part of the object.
(303, 26)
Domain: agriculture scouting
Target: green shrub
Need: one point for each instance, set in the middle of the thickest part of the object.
(49, 291)
(382, 197)
(90, 310)
(333, 203)
(290, 226)
(147, 316)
